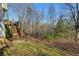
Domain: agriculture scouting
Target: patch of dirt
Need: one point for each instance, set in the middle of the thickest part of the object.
(69, 47)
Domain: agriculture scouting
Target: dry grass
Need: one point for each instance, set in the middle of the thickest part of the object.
(69, 47)
(35, 47)
(31, 48)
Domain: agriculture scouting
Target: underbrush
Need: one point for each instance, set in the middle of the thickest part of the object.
(51, 36)
(68, 47)
(30, 48)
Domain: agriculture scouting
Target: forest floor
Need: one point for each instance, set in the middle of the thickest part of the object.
(37, 47)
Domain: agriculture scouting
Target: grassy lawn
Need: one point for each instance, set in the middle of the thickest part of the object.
(31, 48)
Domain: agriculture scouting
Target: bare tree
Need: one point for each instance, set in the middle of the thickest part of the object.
(51, 17)
(75, 15)
(38, 18)
(20, 13)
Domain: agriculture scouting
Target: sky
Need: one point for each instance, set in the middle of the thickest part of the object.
(39, 6)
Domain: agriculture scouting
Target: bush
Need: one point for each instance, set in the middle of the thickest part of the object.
(48, 35)
(59, 36)
(51, 36)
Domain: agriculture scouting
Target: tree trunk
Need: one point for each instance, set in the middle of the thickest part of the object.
(76, 35)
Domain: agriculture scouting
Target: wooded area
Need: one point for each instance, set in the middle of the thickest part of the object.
(41, 31)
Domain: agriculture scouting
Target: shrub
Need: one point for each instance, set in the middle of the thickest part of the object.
(48, 35)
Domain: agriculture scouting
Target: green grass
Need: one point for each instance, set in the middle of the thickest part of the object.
(30, 48)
